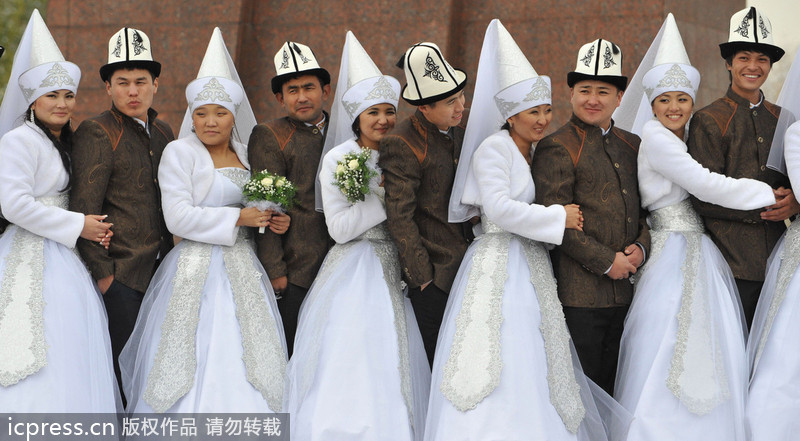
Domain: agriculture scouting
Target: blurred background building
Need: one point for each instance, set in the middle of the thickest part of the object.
(550, 33)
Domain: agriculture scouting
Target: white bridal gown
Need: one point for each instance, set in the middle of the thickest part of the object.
(682, 366)
(209, 336)
(505, 368)
(55, 353)
(359, 370)
(773, 410)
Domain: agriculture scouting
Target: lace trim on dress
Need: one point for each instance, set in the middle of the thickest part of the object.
(263, 354)
(22, 340)
(790, 259)
(172, 374)
(472, 370)
(565, 393)
(386, 252)
(238, 176)
(697, 374)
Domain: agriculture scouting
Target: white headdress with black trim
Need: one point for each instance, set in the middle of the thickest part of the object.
(296, 59)
(664, 68)
(129, 48)
(218, 83)
(39, 68)
(750, 30)
(506, 84)
(360, 86)
(599, 60)
(429, 77)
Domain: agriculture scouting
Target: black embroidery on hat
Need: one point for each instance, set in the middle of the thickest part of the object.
(608, 58)
(432, 70)
(763, 28)
(743, 28)
(138, 43)
(118, 48)
(587, 60)
(297, 50)
(285, 64)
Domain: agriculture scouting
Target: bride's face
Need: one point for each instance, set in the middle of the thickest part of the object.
(673, 110)
(213, 124)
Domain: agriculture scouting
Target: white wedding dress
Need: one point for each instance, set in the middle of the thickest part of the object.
(773, 410)
(208, 337)
(682, 369)
(55, 353)
(358, 370)
(505, 368)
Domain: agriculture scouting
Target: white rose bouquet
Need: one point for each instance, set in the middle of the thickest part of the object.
(352, 175)
(267, 191)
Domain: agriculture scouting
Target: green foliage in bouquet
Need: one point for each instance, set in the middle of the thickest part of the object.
(352, 175)
(265, 186)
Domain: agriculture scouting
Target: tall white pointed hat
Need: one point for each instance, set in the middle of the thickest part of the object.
(664, 68)
(429, 77)
(296, 59)
(218, 83)
(39, 67)
(750, 30)
(599, 60)
(506, 84)
(671, 71)
(360, 86)
(129, 48)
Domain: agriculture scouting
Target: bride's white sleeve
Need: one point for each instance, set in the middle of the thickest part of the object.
(346, 221)
(184, 218)
(668, 156)
(492, 168)
(19, 160)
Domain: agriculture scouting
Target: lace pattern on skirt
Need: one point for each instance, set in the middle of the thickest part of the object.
(386, 251)
(790, 260)
(22, 340)
(565, 393)
(473, 367)
(697, 374)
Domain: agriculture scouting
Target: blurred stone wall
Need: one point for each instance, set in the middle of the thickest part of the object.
(549, 33)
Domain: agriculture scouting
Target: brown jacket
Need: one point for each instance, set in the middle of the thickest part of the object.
(419, 165)
(578, 165)
(729, 138)
(115, 172)
(290, 148)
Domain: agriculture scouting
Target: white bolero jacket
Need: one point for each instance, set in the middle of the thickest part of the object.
(185, 175)
(31, 168)
(668, 174)
(347, 221)
(501, 185)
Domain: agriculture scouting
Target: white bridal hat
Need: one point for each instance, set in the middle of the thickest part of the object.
(218, 83)
(39, 67)
(360, 86)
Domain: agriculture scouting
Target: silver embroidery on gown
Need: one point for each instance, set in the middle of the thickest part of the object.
(473, 368)
(22, 341)
(790, 259)
(385, 249)
(173, 371)
(695, 376)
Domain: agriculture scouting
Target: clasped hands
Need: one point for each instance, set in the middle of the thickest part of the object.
(626, 262)
(277, 222)
(785, 207)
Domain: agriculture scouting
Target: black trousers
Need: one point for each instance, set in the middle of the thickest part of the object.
(122, 307)
(596, 333)
(429, 308)
(749, 292)
(289, 307)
